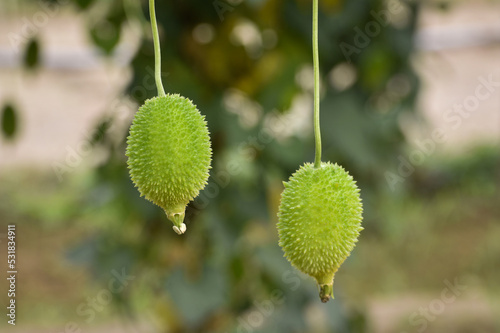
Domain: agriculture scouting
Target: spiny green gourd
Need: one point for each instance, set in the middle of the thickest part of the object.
(319, 221)
(168, 148)
(320, 213)
(169, 154)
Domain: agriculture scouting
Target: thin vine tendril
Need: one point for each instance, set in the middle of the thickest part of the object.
(156, 39)
(317, 133)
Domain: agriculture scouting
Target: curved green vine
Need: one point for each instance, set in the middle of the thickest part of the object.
(317, 132)
(156, 39)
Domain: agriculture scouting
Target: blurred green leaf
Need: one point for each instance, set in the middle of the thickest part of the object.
(106, 35)
(9, 121)
(84, 4)
(100, 130)
(32, 54)
(196, 298)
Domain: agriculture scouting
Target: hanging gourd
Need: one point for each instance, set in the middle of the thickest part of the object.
(320, 213)
(168, 149)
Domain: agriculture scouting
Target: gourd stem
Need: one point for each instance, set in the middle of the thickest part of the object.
(156, 40)
(317, 133)
(325, 292)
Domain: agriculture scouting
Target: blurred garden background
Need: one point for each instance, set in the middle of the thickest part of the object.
(410, 106)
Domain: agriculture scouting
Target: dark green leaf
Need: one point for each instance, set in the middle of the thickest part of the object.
(32, 54)
(84, 4)
(106, 35)
(100, 132)
(9, 121)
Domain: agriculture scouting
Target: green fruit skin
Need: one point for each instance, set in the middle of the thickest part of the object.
(169, 153)
(319, 220)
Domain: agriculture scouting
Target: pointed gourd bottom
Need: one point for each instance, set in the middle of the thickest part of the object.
(319, 221)
(169, 154)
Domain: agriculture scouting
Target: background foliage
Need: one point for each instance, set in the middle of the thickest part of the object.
(229, 258)
(227, 271)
